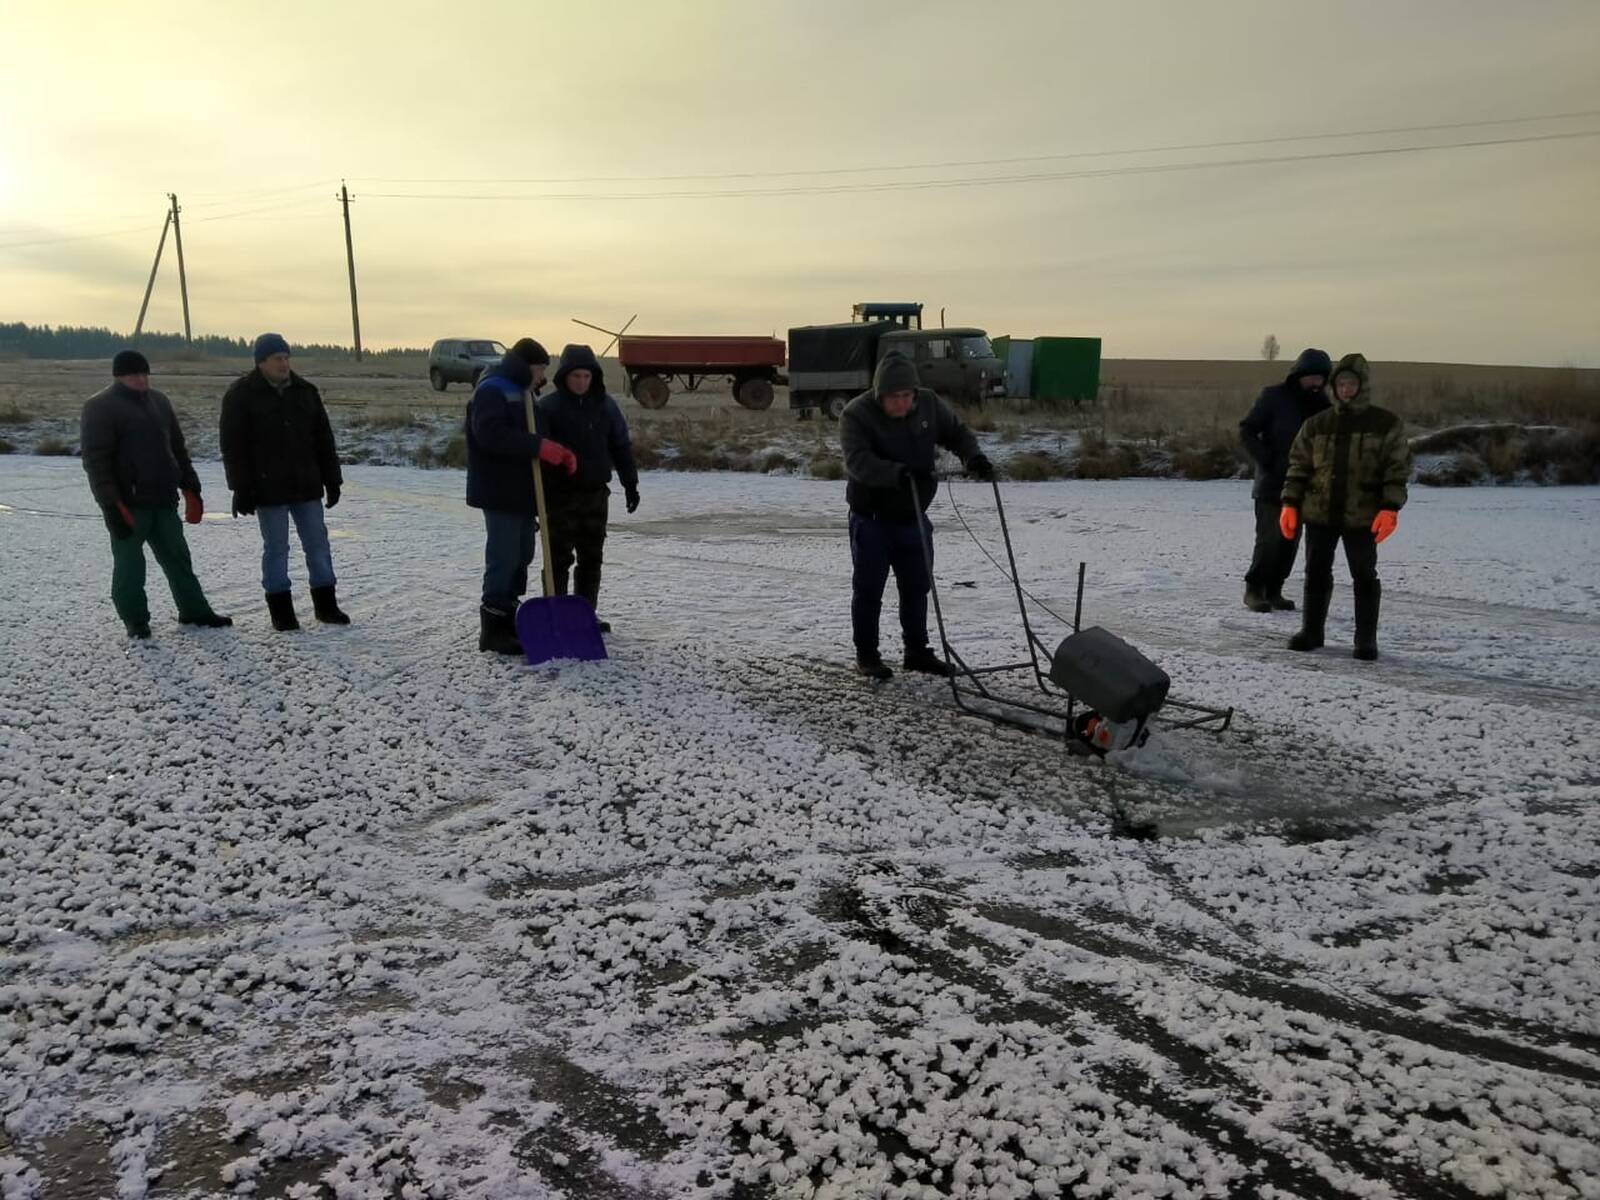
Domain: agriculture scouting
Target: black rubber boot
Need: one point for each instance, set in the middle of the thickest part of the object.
(1255, 601)
(924, 661)
(1313, 619)
(497, 632)
(281, 606)
(326, 605)
(873, 667)
(139, 632)
(1280, 602)
(209, 621)
(1369, 594)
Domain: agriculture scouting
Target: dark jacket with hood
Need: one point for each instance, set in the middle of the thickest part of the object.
(1269, 430)
(133, 450)
(1349, 461)
(500, 447)
(277, 445)
(590, 425)
(880, 450)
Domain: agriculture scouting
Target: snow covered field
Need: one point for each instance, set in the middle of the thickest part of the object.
(363, 913)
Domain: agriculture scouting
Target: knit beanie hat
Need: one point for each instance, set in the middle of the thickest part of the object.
(531, 352)
(269, 344)
(895, 373)
(129, 362)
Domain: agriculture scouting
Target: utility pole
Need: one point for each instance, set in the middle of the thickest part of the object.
(183, 278)
(138, 325)
(350, 257)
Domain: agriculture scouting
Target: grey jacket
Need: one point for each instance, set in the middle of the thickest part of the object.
(879, 452)
(133, 450)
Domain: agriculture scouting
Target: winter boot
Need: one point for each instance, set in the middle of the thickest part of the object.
(326, 605)
(1280, 602)
(1255, 601)
(925, 661)
(139, 632)
(1314, 619)
(1368, 595)
(497, 632)
(209, 621)
(873, 667)
(281, 606)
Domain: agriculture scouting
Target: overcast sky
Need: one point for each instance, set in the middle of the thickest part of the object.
(252, 112)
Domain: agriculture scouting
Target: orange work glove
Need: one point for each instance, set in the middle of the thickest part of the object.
(192, 508)
(557, 455)
(126, 515)
(1385, 523)
(1288, 521)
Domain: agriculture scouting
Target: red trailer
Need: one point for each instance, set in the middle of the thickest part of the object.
(751, 364)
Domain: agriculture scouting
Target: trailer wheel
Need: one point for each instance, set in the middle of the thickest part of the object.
(651, 391)
(833, 407)
(436, 377)
(755, 394)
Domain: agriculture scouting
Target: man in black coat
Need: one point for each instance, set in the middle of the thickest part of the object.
(580, 413)
(890, 435)
(277, 446)
(137, 463)
(1268, 432)
(501, 450)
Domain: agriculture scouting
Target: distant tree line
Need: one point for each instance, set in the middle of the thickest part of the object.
(19, 340)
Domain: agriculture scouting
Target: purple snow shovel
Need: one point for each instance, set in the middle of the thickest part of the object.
(554, 626)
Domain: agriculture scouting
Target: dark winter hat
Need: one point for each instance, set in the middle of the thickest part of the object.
(129, 362)
(1311, 362)
(531, 352)
(895, 373)
(578, 357)
(269, 344)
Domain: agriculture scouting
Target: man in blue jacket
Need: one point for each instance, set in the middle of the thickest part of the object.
(1267, 433)
(501, 450)
(580, 413)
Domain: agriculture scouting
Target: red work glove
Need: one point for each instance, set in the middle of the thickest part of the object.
(1385, 523)
(193, 510)
(1288, 521)
(557, 455)
(127, 515)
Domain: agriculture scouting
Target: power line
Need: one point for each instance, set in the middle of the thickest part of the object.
(77, 237)
(989, 180)
(998, 162)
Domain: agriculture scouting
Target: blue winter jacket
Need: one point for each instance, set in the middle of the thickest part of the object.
(500, 446)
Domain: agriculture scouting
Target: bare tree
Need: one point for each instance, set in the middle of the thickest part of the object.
(1269, 348)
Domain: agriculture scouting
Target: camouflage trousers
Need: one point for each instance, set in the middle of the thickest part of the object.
(577, 530)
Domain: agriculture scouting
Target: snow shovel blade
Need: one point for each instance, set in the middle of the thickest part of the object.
(559, 627)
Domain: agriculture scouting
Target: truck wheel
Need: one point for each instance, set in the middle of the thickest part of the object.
(651, 391)
(755, 394)
(833, 407)
(436, 377)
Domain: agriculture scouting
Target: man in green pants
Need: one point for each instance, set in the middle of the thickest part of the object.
(137, 463)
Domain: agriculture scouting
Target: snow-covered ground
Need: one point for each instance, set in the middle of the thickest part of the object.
(363, 913)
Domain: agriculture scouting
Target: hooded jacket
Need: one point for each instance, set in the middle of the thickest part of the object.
(133, 450)
(500, 446)
(1349, 461)
(591, 426)
(277, 446)
(880, 450)
(1269, 430)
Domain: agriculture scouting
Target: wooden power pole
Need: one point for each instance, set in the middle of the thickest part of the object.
(138, 326)
(183, 278)
(350, 257)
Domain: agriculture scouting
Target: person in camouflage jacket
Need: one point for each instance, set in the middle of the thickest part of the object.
(1346, 481)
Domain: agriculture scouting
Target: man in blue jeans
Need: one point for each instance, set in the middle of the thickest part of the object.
(890, 435)
(277, 446)
(501, 450)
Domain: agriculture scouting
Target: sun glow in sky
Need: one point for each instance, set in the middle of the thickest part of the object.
(739, 167)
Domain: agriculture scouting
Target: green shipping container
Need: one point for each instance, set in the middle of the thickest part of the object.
(1066, 368)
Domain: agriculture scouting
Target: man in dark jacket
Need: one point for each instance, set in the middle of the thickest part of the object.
(501, 450)
(137, 463)
(278, 448)
(580, 413)
(1347, 477)
(1267, 433)
(890, 436)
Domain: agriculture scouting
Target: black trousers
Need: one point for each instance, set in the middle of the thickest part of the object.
(1273, 558)
(578, 531)
(1360, 552)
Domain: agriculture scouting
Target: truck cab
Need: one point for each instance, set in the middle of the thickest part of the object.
(959, 362)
